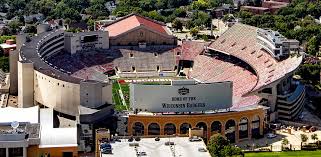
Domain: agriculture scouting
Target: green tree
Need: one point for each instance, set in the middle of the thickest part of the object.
(201, 18)
(97, 8)
(62, 10)
(200, 4)
(314, 137)
(31, 29)
(190, 24)
(155, 15)
(313, 46)
(177, 24)
(217, 143)
(229, 151)
(14, 27)
(180, 12)
(147, 5)
(91, 24)
(285, 141)
(194, 31)
(4, 63)
(304, 137)
(219, 146)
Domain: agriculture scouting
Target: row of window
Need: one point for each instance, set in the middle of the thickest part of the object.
(44, 78)
(131, 55)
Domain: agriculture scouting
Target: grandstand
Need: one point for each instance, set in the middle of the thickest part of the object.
(77, 82)
(270, 71)
(232, 57)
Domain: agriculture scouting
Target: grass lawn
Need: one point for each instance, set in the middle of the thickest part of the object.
(286, 154)
(116, 97)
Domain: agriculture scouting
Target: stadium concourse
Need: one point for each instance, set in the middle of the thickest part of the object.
(73, 72)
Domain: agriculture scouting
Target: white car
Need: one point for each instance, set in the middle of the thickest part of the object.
(270, 135)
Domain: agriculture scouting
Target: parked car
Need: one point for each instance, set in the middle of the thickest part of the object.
(141, 153)
(270, 135)
(194, 139)
(201, 149)
(105, 148)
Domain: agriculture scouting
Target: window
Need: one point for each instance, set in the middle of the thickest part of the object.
(67, 154)
(134, 69)
(267, 90)
(141, 34)
(158, 69)
(155, 54)
(131, 55)
(178, 53)
(58, 84)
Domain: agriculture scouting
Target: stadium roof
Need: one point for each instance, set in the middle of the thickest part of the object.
(9, 114)
(132, 21)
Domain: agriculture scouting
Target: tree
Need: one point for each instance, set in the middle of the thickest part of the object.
(190, 24)
(314, 137)
(97, 8)
(91, 24)
(201, 18)
(200, 4)
(194, 31)
(4, 63)
(219, 146)
(147, 5)
(216, 143)
(180, 12)
(155, 15)
(31, 29)
(229, 151)
(285, 141)
(304, 137)
(177, 24)
(62, 10)
(313, 46)
(14, 27)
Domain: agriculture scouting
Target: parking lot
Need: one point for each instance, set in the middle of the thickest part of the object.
(181, 147)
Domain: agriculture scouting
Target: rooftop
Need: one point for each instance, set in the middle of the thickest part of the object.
(55, 137)
(256, 8)
(9, 114)
(6, 46)
(132, 21)
(182, 147)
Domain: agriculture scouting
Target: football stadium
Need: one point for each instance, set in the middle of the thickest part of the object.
(232, 85)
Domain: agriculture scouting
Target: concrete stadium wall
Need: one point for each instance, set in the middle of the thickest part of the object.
(13, 65)
(25, 84)
(60, 95)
